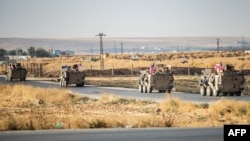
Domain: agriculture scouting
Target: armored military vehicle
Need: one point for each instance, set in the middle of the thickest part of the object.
(70, 76)
(226, 81)
(162, 80)
(16, 72)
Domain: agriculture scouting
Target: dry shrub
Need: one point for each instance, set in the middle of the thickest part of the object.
(178, 113)
(129, 121)
(175, 104)
(109, 98)
(231, 107)
(229, 111)
(20, 95)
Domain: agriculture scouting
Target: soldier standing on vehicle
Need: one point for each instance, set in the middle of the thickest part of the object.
(10, 67)
(80, 67)
(219, 68)
(152, 69)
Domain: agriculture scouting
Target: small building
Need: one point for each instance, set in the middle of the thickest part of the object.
(69, 52)
(56, 53)
(105, 55)
(61, 53)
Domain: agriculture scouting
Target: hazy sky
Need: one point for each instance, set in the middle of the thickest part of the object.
(123, 18)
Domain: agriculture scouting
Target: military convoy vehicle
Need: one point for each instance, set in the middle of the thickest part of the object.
(161, 80)
(16, 72)
(70, 76)
(226, 82)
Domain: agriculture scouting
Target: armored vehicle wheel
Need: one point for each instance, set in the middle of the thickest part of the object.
(65, 84)
(6, 78)
(238, 93)
(149, 89)
(82, 84)
(215, 92)
(224, 94)
(162, 91)
(208, 91)
(22, 79)
(202, 91)
(61, 83)
(144, 87)
(140, 88)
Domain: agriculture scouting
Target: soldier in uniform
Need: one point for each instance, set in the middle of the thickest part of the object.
(152, 69)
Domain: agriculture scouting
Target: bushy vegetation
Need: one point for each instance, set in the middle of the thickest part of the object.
(32, 51)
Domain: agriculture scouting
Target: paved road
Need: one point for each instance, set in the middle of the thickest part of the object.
(95, 92)
(145, 134)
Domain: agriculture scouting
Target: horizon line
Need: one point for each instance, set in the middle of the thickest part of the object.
(121, 37)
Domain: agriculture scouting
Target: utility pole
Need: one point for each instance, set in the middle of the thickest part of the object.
(16, 56)
(101, 51)
(243, 46)
(115, 47)
(121, 47)
(218, 45)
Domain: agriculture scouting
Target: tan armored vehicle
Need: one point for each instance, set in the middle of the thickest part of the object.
(162, 80)
(226, 81)
(16, 72)
(70, 76)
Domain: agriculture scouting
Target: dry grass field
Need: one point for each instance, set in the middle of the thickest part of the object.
(24, 107)
(51, 66)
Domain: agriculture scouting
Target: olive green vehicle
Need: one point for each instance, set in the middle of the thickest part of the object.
(70, 76)
(162, 80)
(16, 72)
(229, 82)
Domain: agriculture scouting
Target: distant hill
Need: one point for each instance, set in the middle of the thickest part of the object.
(130, 45)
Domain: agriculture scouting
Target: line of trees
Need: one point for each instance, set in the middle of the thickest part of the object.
(32, 51)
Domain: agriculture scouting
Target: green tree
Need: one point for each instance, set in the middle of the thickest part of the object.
(2, 52)
(19, 51)
(12, 52)
(32, 51)
(40, 52)
(24, 53)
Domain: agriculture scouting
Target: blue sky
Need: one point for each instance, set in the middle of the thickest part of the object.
(123, 18)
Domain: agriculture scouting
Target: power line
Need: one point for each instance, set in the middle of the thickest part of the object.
(101, 51)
